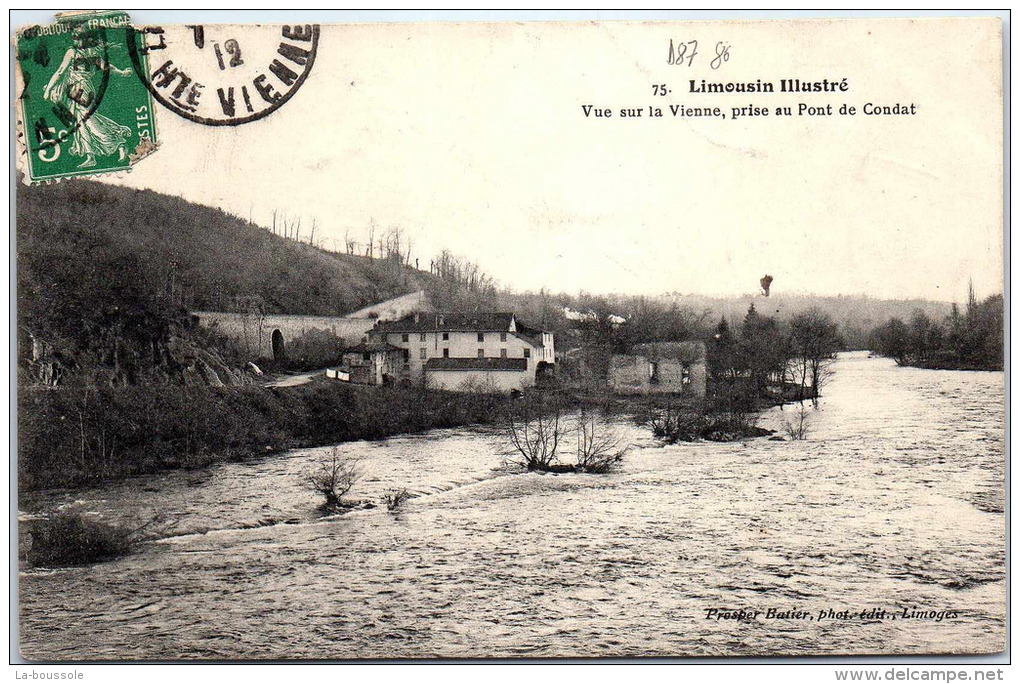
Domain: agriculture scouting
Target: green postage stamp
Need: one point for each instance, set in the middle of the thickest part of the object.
(81, 107)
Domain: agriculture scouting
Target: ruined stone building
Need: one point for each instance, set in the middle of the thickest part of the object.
(660, 367)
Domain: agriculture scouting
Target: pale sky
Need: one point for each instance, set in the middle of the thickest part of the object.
(472, 137)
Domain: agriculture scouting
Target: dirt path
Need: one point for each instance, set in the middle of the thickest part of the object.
(293, 380)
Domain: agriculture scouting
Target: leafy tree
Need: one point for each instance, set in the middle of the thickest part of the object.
(766, 351)
(892, 339)
(970, 341)
(815, 340)
(724, 357)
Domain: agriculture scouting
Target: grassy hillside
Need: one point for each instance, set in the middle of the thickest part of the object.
(106, 275)
(209, 258)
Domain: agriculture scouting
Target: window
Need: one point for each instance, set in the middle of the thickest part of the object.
(423, 354)
(481, 337)
(423, 339)
(366, 356)
(407, 355)
(481, 353)
(502, 337)
(502, 353)
(527, 353)
(653, 372)
(446, 336)
(404, 338)
(446, 353)
(685, 374)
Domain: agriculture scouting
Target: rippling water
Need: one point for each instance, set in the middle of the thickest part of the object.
(894, 501)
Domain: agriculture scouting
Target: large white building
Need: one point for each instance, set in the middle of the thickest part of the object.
(459, 351)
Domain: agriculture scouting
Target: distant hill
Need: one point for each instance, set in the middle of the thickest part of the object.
(675, 316)
(859, 308)
(856, 315)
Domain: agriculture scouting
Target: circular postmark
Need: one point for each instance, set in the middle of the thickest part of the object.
(223, 75)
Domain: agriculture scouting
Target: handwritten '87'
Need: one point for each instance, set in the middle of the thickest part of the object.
(682, 53)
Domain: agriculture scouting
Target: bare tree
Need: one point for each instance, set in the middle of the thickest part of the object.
(815, 340)
(392, 247)
(253, 310)
(96, 447)
(394, 499)
(333, 476)
(534, 433)
(538, 432)
(370, 251)
(599, 444)
(797, 426)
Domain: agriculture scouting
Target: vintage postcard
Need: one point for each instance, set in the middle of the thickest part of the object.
(509, 339)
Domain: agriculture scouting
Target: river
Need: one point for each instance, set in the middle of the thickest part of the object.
(893, 502)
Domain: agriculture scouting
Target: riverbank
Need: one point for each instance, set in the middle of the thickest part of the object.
(874, 507)
(75, 436)
(79, 436)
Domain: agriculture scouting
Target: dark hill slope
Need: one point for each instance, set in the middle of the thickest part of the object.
(210, 258)
(106, 275)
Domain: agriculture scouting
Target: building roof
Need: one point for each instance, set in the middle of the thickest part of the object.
(449, 322)
(452, 364)
(528, 331)
(371, 347)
